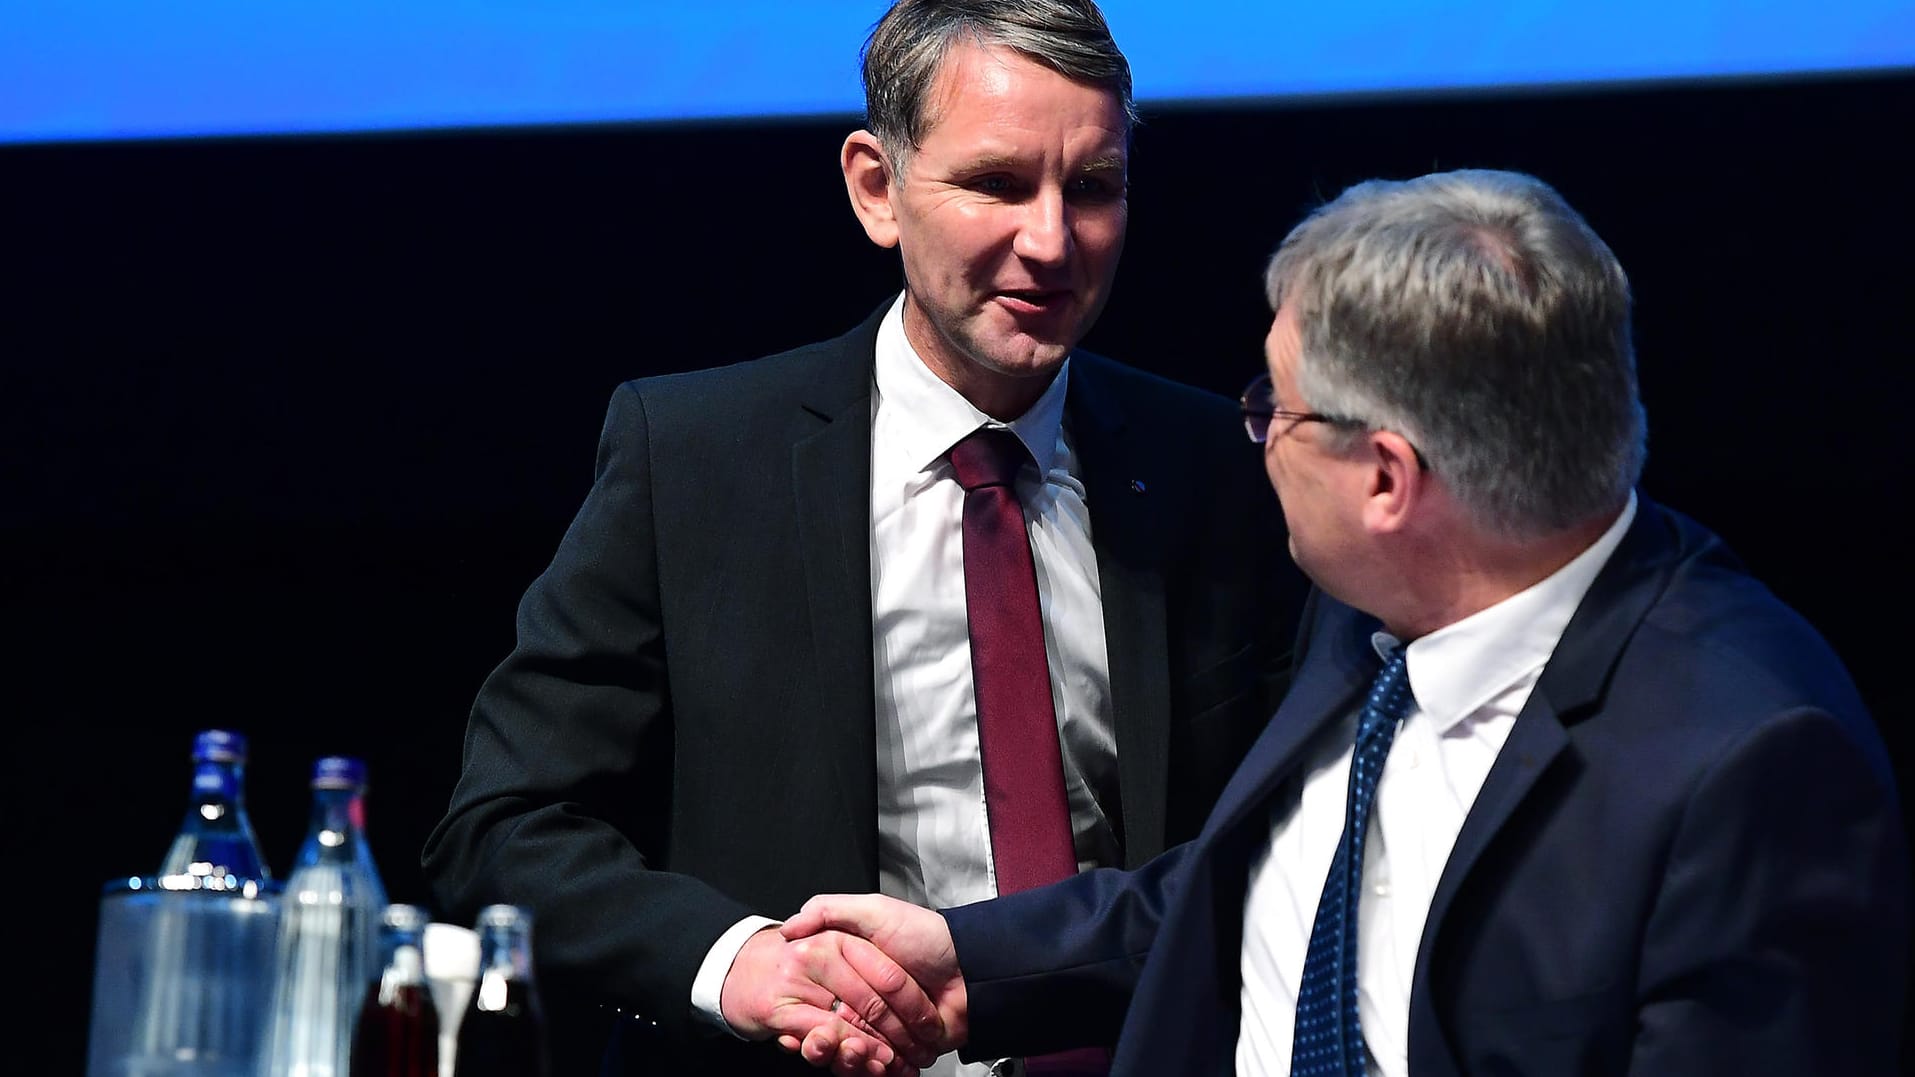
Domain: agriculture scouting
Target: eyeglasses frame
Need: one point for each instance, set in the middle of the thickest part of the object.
(1255, 415)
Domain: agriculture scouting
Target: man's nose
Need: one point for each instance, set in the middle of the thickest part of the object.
(1044, 235)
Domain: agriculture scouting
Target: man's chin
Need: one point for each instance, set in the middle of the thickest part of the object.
(1030, 363)
(1033, 355)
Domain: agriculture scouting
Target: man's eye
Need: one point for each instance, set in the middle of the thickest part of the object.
(1095, 188)
(993, 184)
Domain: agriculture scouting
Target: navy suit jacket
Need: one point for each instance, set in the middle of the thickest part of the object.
(685, 731)
(1687, 859)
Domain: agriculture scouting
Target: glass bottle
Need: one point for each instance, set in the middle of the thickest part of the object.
(328, 945)
(194, 939)
(215, 843)
(397, 1031)
(502, 1033)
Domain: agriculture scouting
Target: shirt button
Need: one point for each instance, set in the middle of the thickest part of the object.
(1381, 890)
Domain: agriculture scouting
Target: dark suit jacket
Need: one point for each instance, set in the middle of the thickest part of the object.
(1687, 859)
(685, 731)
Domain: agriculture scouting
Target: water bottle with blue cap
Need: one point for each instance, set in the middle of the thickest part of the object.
(328, 948)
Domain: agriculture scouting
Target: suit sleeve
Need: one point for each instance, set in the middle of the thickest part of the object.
(1779, 941)
(1053, 968)
(567, 769)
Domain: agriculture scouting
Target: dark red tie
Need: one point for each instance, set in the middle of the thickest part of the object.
(1024, 797)
(1016, 723)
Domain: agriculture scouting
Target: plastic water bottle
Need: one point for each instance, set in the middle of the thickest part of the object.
(328, 945)
(397, 1033)
(503, 1030)
(215, 843)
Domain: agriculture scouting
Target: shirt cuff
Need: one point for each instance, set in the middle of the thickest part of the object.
(711, 975)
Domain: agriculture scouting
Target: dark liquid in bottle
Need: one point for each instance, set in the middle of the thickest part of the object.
(399, 1037)
(507, 1042)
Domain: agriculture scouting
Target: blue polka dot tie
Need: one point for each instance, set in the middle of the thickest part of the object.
(1329, 1038)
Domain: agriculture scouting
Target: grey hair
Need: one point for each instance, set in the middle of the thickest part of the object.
(907, 47)
(1478, 315)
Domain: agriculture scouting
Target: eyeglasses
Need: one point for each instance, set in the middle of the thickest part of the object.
(1259, 406)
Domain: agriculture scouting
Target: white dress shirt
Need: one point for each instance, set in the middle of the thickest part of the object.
(1470, 680)
(934, 846)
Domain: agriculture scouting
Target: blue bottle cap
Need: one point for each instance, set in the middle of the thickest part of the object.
(219, 746)
(339, 772)
(402, 917)
(500, 916)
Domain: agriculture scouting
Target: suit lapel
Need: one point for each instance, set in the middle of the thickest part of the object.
(1570, 690)
(1132, 496)
(831, 479)
(1333, 677)
(1210, 909)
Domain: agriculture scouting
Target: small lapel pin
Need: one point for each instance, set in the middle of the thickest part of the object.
(1136, 486)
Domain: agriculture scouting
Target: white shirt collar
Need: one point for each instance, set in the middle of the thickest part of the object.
(1459, 667)
(940, 416)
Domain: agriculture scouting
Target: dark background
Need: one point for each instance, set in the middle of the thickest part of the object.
(286, 426)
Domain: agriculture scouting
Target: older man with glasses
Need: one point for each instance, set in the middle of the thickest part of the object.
(1559, 787)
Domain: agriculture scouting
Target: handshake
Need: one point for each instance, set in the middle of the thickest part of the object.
(860, 984)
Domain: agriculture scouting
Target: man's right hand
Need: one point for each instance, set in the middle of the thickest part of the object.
(916, 939)
(838, 988)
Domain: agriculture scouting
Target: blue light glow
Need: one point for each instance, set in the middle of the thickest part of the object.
(112, 69)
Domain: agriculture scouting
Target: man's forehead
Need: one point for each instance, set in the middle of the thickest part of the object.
(1116, 159)
(970, 69)
(1281, 343)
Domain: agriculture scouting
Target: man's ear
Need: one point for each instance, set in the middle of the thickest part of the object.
(1397, 482)
(867, 179)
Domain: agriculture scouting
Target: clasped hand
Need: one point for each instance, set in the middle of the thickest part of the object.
(862, 984)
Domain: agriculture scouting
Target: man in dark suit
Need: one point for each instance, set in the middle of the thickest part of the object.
(1618, 809)
(746, 676)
